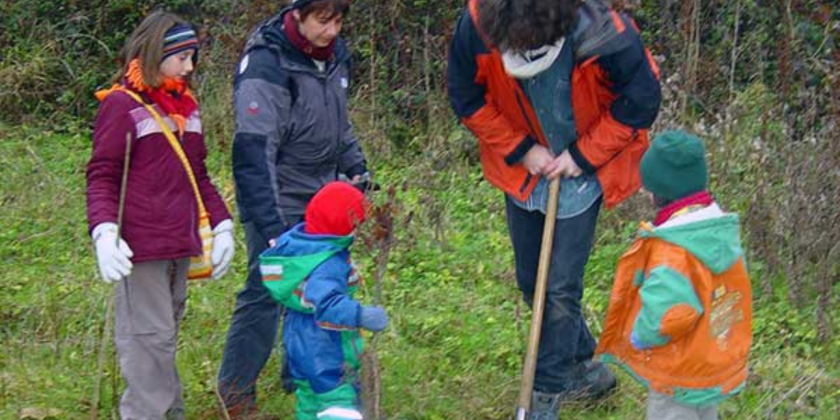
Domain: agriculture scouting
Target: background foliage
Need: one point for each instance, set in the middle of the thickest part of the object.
(759, 80)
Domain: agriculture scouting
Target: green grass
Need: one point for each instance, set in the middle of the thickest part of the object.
(457, 338)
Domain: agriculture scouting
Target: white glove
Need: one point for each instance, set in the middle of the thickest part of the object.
(223, 247)
(113, 259)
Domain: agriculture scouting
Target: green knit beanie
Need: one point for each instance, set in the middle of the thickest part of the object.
(674, 166)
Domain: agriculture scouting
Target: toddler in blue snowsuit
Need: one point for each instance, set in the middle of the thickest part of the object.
(310, 272)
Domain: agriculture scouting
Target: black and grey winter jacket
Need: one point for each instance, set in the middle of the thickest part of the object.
(293, 134)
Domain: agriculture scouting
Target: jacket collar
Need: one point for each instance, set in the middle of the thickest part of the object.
(270, 35)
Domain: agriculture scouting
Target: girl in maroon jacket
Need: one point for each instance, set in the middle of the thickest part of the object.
(159, 233)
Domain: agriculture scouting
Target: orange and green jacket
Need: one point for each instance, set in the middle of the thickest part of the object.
(615, 99)
(680, 315)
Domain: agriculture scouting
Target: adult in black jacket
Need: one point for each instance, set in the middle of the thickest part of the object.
(292, 136)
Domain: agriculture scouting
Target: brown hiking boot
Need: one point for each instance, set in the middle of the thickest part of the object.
(243, 410)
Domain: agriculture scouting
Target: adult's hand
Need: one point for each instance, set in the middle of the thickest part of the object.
(363, 183)
(563, 165)
(113, 257)
(537, 160)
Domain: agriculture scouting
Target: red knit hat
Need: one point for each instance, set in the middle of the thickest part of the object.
(336, 209)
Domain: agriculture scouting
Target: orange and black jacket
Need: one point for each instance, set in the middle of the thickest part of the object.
(615, 99)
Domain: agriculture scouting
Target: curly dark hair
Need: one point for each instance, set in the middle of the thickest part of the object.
(519, 25)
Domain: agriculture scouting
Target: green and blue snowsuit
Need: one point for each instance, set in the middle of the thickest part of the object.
(313, 276)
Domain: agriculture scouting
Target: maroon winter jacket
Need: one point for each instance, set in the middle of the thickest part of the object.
(161, 215)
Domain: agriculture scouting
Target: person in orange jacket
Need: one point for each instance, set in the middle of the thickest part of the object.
(555, 88)
(679, 318)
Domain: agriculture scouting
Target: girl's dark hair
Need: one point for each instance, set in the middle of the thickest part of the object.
(328, 8)
(146, 43)
(518, 25)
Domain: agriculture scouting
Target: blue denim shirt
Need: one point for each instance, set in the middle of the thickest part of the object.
(550, 94)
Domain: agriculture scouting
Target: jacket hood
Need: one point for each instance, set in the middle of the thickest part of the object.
(296, 242)
(712, 236)
(600, 31)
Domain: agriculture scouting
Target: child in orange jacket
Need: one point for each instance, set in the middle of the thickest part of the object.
(679, 317)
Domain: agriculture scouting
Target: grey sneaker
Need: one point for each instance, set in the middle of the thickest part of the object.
(545, 406)
(596, 381)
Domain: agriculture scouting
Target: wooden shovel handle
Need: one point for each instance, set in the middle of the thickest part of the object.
(530, 367)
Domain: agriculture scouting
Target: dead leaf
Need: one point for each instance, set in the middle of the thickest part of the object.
(40, 414)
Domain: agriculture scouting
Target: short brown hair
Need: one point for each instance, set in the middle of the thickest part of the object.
(519, 25)
(146, 44)
(329, 8)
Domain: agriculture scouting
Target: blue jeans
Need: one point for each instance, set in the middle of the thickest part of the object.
(565, 340)
(252, 334)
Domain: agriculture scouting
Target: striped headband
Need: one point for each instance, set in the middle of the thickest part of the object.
(181, 37)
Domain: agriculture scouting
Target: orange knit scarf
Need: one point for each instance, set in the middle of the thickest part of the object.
(173, 95)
